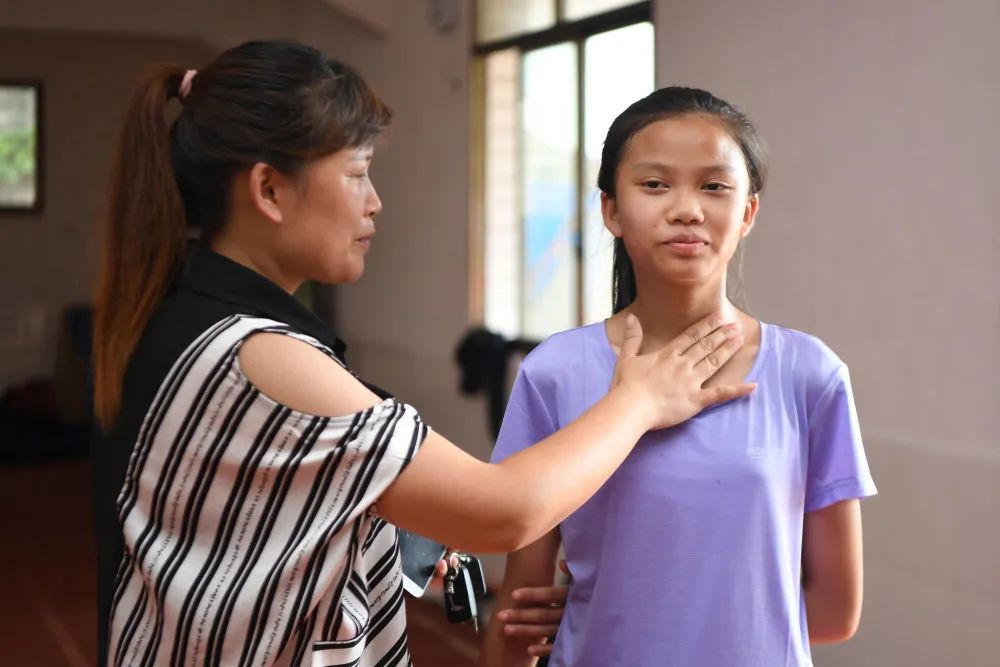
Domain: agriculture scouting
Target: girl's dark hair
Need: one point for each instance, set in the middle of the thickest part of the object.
(277, 102)
(667, 103)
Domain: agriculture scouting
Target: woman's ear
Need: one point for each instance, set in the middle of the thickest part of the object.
(609, 210)
(749, 215)
(265, 184)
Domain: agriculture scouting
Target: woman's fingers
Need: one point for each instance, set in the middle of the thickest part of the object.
(630, 345)
(633, 338)
(717, 349)
(441, 567)
(692, 337)
(712, 395)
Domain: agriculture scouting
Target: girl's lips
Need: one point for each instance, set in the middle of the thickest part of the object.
(687, 248)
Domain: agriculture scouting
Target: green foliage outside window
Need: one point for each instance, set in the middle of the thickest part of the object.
(17, 155)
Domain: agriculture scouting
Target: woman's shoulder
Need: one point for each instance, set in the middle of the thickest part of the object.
(297, 372)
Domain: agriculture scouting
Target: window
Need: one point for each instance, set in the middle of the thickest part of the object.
(20, 146)
(551, 78)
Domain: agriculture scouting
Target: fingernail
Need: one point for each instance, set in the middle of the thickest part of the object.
(516, 595)
(503, 615)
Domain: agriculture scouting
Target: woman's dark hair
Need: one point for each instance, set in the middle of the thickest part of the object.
(277, 102)
(658, 105)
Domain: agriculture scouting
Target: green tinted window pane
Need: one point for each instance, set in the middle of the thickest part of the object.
(618, 70)
(549, 189)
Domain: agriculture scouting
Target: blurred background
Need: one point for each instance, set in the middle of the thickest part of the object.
(880, 233)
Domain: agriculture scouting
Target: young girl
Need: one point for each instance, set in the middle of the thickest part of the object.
(733, 539)
(240, 458)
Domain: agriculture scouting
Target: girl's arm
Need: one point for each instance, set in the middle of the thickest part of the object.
(534, 565)
(833, 571)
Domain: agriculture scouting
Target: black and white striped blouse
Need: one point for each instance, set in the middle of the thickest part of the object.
(246, 535)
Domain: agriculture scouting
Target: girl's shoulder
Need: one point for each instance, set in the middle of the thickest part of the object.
(568, 353)
(803, 358)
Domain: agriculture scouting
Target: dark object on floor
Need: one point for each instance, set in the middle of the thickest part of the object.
(32, 429)
(49, 418)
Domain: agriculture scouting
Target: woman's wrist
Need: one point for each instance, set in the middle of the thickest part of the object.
(635, 404)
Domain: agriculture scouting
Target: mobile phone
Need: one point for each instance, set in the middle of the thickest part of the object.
(419, 555)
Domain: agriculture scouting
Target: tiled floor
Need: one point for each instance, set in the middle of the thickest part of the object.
(47, 581)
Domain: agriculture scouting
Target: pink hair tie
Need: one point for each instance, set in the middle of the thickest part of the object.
(186, 83)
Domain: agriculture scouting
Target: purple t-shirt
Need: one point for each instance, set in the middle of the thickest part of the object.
(690, 555)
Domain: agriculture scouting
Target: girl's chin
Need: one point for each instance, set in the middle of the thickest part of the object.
(689, 278)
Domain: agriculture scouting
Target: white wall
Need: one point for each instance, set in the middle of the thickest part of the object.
(880, 232)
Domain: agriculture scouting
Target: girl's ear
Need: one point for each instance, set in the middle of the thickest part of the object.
(749, 215)
(609, 210)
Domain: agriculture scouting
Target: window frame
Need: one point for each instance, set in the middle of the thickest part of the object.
(575, 32)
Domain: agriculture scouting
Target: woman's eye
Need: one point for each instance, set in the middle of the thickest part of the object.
(716, 187)
(654, 185)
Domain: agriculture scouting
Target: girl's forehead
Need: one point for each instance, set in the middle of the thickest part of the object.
(685, 138)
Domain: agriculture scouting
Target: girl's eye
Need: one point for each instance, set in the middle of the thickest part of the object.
(654, 185)
(716, 187)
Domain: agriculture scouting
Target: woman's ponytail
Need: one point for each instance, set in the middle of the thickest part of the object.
(143, 238)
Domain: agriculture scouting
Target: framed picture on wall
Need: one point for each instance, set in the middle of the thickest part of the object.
(21, 173)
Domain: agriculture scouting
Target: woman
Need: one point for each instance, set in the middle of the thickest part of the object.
(241, 462)
(733, 539)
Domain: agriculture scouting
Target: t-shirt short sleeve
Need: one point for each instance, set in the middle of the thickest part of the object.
(388, 439)
(526, 421)
(838, 468)
(369, 449)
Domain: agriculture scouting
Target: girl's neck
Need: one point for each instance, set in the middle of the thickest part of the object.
(666, 310)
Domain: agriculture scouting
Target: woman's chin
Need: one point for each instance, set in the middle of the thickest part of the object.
(348, 272)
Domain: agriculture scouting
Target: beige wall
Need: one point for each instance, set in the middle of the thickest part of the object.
(88, 58)
(404, 317)
(45, 258)
(881, 233)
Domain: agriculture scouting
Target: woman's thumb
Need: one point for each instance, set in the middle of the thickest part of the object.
(633, 338)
